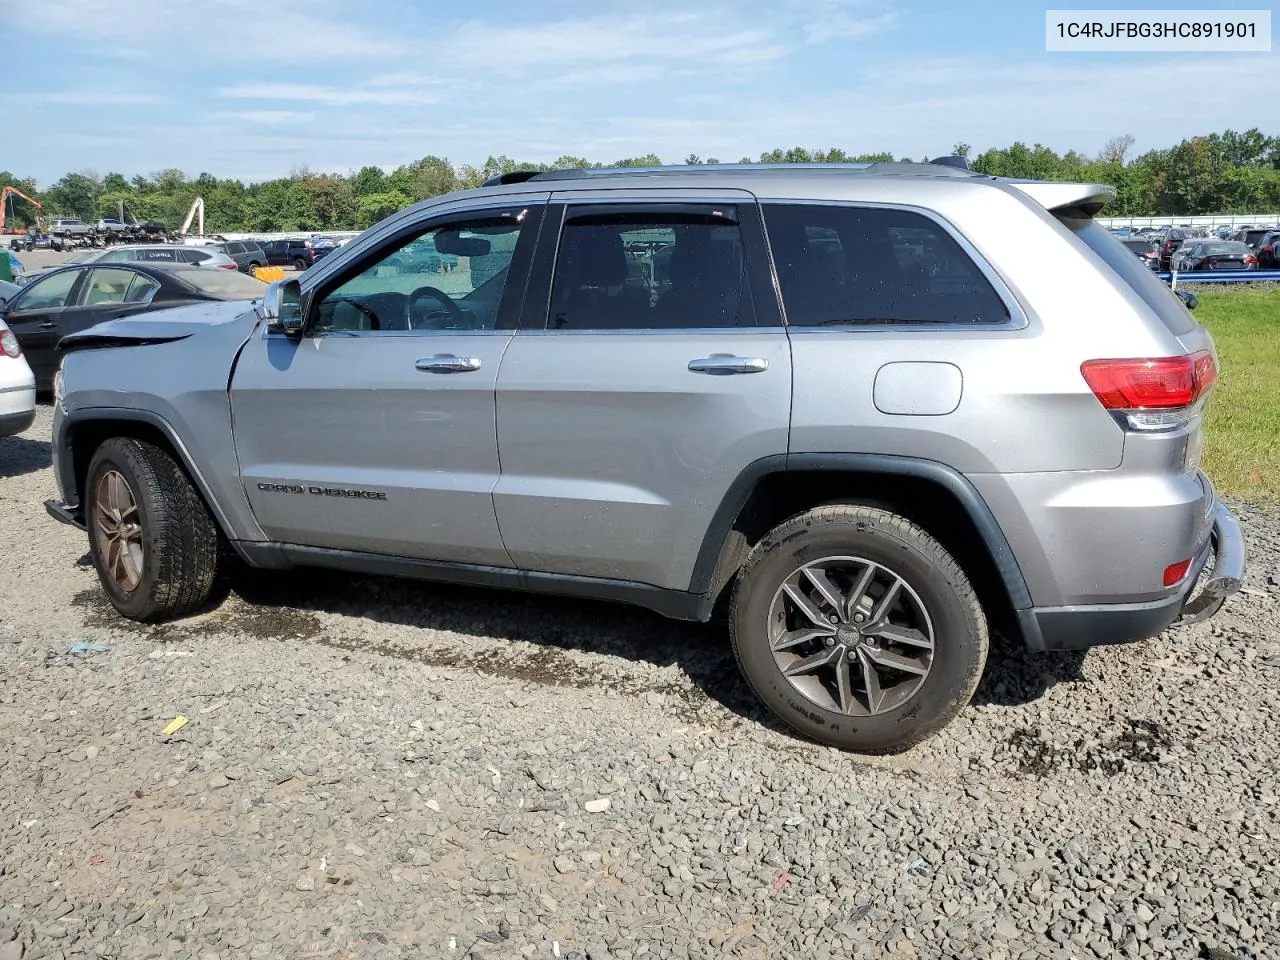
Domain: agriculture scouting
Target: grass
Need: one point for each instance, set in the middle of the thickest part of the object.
(1242, 442)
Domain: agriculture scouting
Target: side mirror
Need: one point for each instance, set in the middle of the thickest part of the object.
(282, 307)
(1189, 298)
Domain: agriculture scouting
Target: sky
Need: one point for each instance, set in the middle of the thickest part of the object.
(257, 88)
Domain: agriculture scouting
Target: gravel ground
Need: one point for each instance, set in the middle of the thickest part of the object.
(375, 768)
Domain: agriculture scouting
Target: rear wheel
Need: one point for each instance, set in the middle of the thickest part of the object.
(300, 264)
(154, 545)
(858, 629)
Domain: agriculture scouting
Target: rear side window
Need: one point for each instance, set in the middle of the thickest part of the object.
(845, 265)
(1145, 284)
(192, 255)
(650, 269)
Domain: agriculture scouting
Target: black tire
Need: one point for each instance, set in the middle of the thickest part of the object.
(912, 555)
(300, 264)
(181, 544)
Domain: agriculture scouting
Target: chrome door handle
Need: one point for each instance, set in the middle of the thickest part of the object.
(448, 363)
(48, 325)
(724, 363)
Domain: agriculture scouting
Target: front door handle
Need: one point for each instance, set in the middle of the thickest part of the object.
(48, 325)
(725, 363)
(448, 363)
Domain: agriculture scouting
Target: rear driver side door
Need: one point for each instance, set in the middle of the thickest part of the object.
(651, 371)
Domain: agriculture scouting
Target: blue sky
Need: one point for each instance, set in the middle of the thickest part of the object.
(255, 88)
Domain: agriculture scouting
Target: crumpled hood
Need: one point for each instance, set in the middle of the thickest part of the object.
(164, 326)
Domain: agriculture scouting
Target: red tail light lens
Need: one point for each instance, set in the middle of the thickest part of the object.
(1164, 384)
(1175, 572)
(1250, 259)
(228, 266)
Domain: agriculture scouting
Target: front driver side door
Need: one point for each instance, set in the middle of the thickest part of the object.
(375, 430)
(35, 316)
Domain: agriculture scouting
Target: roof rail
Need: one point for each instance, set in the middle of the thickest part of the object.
(514, 176)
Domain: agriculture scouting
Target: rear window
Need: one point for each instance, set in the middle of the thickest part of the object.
(1145, 284)
(223, 284)
(846, 265)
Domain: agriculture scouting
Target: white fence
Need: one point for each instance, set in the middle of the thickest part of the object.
(1209, 220)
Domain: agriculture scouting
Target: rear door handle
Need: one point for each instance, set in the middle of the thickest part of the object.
(48, 325)
(448, 363)
(725, 363)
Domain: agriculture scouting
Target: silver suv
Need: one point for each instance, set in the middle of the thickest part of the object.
(872, 413)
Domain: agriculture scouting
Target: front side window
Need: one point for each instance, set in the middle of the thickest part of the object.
(450, 277)
(49, 293)
(843, 265)
(650, 269)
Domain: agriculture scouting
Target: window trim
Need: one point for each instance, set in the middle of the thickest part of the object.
(535, 312)
(517, 272)
(1017, 320)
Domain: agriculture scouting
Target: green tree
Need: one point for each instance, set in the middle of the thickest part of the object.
(76, 194)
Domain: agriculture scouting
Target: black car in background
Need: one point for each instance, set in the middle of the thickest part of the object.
(1251, 235)
(1148, 251)
(246, 253)
(1268, 250)
(1215, 255)
(296, 253)
(74, 298)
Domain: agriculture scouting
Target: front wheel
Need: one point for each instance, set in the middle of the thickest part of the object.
(858, 629)
(154, 545)
(299, 264)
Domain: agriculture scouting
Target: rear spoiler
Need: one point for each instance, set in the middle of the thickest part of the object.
(1087, 198)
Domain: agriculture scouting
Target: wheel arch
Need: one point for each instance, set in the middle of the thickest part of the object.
(932, 494)
(82, 432)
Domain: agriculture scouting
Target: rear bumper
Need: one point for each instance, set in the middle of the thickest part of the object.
(1079, 627)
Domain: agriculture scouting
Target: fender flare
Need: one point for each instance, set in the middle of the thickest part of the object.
(951, 480)
(66, 458)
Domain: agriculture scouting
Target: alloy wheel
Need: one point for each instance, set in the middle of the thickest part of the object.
(851, 636)
(117, 527)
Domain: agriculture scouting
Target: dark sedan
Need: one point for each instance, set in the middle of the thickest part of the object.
(74, 298)
(1215, 255)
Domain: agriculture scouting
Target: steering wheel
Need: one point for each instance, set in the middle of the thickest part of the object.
(458, 319)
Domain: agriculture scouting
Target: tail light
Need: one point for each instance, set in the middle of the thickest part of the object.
(1249, 260)
(1152, 394)
(9, 344)
(228, 266)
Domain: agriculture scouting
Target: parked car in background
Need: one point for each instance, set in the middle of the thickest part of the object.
(31, 241)
(112, 227)
(1251, 235)
(296, 253)
(1215, 255)
(827, 416)
(65, 230)
(1148, 251)
(17, 383)
(248, 256)
(69, 299)
(167, 253)
(13, 269)
(1169, 243)
(1268, 251)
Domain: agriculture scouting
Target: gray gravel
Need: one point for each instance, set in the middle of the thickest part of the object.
(374, 768)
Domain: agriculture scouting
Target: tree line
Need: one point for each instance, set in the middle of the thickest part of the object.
(1229, 172)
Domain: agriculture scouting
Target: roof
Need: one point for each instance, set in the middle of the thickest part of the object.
(941, 167)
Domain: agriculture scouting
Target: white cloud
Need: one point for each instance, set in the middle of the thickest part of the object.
(220, 30)
(269, 118)
(826, 20)
(332, 96)
(86, 98)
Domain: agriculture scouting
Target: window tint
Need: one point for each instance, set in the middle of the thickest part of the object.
(449, 278)
(49, 293)
(191, 255)
(862, 265)
(1152, 290)
(117, 256)
(650, 270)
(106, 285)
(142, 289)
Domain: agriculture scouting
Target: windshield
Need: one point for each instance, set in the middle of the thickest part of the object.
(223, 284)
(1145, 284)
